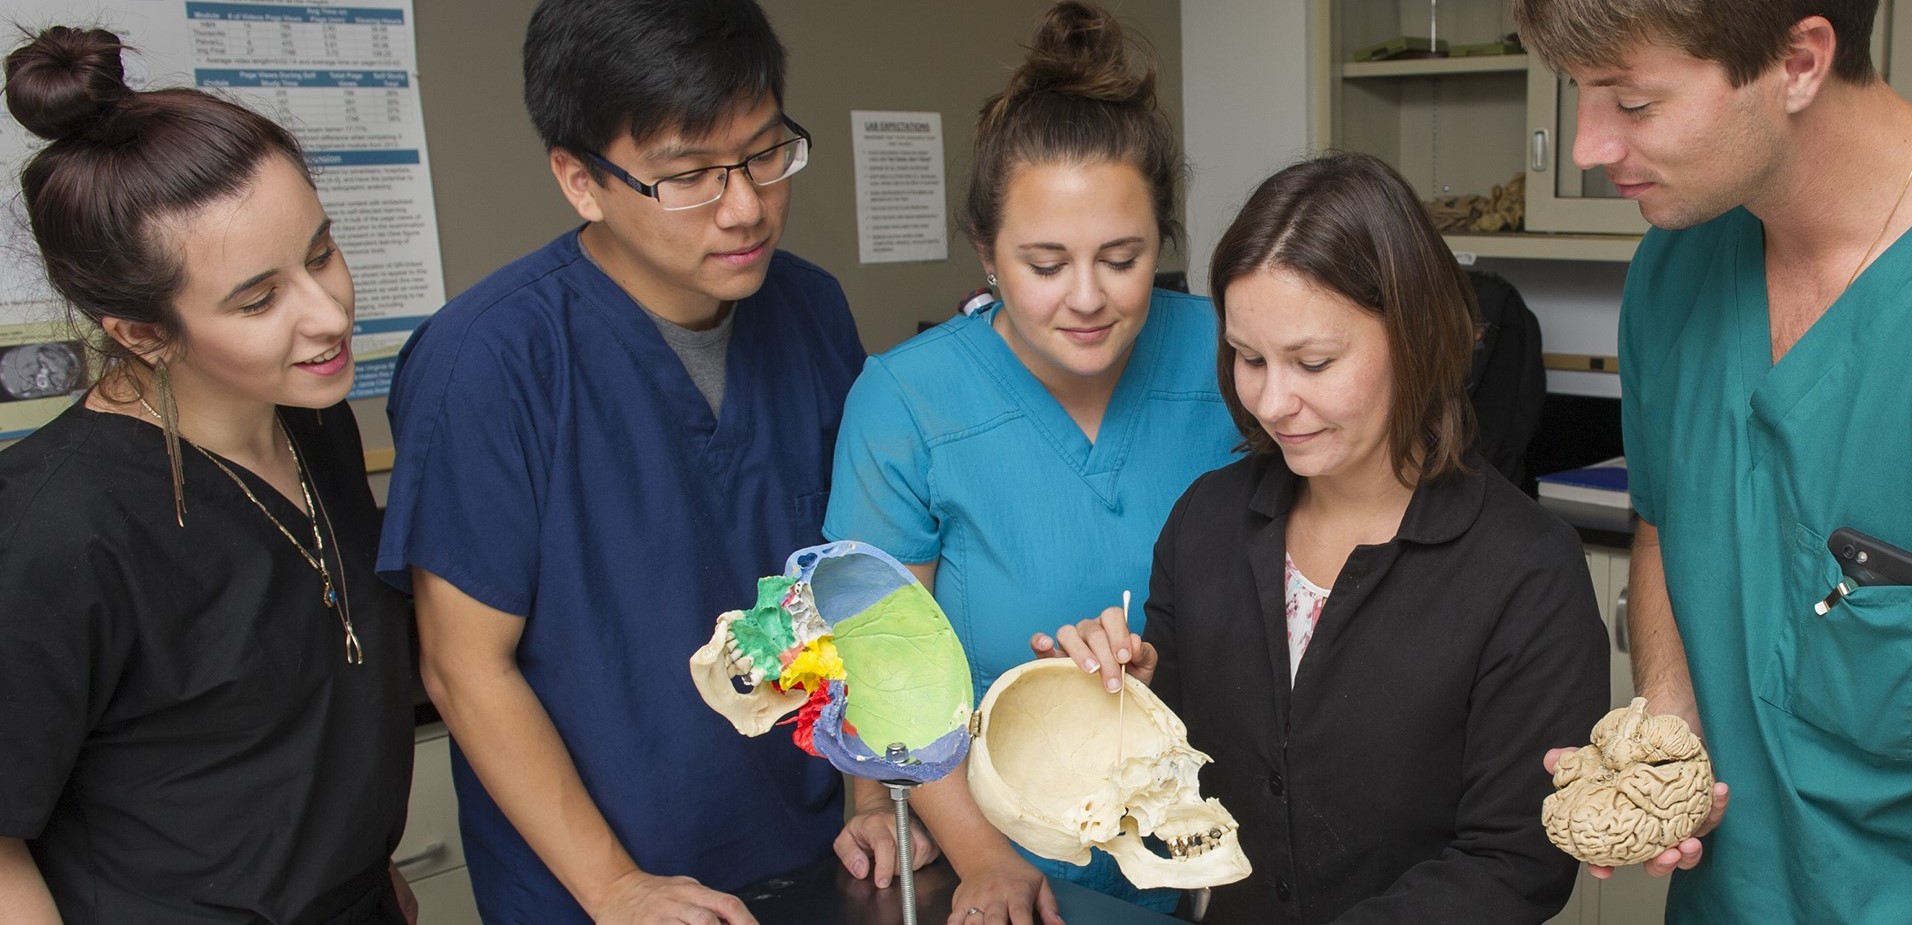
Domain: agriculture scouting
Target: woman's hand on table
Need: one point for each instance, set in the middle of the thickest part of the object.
(1103, 645)
(1006, 890)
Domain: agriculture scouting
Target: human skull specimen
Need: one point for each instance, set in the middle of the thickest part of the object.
(1643, 784)
(852, 643)
(1061, 765)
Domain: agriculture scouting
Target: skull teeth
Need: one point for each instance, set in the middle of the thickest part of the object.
(741, 665)
(1189, 846)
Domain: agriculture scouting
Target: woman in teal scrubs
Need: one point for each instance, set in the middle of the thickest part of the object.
(1023, 458)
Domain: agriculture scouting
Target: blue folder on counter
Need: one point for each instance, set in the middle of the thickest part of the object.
(1602, 483)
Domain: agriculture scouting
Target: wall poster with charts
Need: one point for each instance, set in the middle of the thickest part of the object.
(343, 76)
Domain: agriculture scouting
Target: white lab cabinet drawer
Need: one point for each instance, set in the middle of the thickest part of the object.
(431, 856)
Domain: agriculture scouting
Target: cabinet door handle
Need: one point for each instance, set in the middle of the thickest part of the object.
(1537, 152)
(419, 858)
(1620, 621)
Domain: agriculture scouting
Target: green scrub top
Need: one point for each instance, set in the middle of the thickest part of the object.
(1746, 467)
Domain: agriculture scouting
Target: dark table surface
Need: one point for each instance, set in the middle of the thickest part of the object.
(825, 894)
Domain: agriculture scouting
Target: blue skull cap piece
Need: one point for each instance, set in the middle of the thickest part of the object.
(857, 575)
(850, 754)
(906, 677)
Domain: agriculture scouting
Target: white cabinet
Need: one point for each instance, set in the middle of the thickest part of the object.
(1630, 897)
(445, 899)
(1560, 196)
(431, 856)
(1460, 125)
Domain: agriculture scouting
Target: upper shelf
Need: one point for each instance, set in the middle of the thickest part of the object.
(1435, 67)
(1533, 246)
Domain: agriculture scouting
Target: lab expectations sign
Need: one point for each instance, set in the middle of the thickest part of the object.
(901, 209)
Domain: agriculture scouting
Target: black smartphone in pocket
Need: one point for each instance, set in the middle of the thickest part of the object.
(1869, 561)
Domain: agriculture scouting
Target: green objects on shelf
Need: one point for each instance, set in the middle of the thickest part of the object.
(1486, 49)
(1402, 46)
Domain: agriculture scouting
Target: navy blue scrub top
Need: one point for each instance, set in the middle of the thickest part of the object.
(556, 461)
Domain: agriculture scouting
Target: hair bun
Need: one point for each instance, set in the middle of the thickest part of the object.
(64, 81)
(1079, 50)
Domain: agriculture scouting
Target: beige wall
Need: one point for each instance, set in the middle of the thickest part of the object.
(496, 199)
(915, 56)
(1236, 136)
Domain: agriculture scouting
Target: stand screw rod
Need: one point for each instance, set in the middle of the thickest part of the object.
(905, 871)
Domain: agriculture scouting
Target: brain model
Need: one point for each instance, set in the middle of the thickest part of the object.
(1643, 785)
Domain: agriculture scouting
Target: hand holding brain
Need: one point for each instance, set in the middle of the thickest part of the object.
(1644, 784)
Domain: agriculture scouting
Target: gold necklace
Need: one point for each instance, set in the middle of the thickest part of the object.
(354, 653)
(1896, 203)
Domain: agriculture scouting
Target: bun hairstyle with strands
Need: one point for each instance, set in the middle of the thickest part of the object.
(1083, 95)
(66, 82)
(1351, 225)
(120, 162)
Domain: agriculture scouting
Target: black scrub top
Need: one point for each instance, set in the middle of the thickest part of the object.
(181, 738)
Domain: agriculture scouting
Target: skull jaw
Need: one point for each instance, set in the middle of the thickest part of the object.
(754, 713)
(1217, 861)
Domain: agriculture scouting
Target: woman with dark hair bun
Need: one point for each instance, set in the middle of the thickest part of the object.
(204, 689)
(1373, 633)
(1023, 457)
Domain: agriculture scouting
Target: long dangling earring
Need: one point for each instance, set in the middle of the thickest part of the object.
(169, 422)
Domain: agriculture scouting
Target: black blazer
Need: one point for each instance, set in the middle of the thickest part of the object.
(1400, 780)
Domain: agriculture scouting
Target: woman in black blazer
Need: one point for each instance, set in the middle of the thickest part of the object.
(1435, 627)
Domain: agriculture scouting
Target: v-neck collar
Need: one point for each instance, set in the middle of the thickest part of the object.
(214, 476)
(1775, 390)
(1099, 462)
(717, 438)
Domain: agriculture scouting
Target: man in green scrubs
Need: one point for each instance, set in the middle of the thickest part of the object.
(1766, 357)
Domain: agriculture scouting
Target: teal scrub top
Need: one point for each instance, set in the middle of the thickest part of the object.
(1746, 467)
(951, 451)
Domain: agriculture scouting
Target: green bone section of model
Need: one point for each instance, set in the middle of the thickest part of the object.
(764, 633)
(907, 678)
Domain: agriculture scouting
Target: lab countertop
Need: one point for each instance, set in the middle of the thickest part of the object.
(1598, 524)
(825, 894)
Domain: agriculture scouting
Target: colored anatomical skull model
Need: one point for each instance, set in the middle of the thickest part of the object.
(1061, 766)
(849, 641)
(1642, 786)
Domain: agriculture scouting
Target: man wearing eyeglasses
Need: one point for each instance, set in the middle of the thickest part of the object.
(600, 448)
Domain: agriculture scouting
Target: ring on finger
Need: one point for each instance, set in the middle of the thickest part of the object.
(973, 910)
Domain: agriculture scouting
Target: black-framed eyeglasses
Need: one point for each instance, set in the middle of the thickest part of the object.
(706, 185)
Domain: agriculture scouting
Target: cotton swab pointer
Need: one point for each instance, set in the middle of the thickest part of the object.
(1122, 693)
